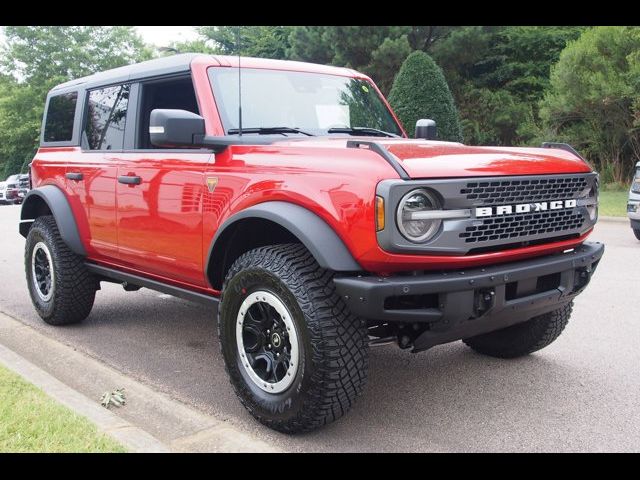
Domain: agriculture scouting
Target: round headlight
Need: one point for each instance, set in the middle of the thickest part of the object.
(410, 225)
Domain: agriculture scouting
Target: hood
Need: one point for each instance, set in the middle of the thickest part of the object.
(428, 159)
(431, 159)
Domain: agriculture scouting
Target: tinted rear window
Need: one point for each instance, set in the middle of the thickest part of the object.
(106, 118)
(60, 115)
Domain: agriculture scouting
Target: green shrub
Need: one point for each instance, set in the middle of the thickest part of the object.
(594, 102)
(421, 91)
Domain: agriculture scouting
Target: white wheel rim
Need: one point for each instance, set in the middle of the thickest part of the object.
(289, 338)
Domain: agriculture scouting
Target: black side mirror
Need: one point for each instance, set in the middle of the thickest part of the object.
(426, 128)
(175, 128)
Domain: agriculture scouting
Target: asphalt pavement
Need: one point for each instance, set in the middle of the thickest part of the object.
(582, 393)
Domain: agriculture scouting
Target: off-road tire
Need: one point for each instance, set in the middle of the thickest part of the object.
(523, 338)
(74, 287)
(636, 232)
(333, 342)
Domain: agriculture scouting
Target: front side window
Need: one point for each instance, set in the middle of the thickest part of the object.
(60, 114)
(106, 118)
(312, 102)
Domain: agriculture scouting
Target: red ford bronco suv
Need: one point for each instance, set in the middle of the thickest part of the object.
(309, 221)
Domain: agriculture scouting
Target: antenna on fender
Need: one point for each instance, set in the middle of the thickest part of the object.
(239, 84)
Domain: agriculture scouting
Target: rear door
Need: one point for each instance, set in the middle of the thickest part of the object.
(160, 192)
(91, 175)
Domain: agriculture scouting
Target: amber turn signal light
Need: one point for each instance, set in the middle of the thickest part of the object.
(379, 213)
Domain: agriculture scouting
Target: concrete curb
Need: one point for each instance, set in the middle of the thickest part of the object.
(613, 219)
(132, 437)
(173, 425)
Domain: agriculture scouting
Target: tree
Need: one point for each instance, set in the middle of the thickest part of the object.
(20, 117)
(35, 59)
(421, 91)
(255, 41)
(36, 54)
(593, 101)
(497, 76)
(200, 45)
(377, 51)
(310, 44)
(386, 60)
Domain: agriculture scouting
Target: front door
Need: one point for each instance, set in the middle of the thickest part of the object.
(160, 199)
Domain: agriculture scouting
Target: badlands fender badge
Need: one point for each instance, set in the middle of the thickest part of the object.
(211, 183)
(524, 208)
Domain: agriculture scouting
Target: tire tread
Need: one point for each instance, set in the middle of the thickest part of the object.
(339, 339)
(75, 287)
(524, 338)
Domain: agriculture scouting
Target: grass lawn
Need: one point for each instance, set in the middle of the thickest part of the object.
(613, 203)
(30, 421)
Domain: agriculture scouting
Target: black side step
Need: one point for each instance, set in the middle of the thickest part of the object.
(384, 153)
(153, 285)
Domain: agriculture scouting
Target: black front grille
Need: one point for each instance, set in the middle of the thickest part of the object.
(525, 190)
(523, 225)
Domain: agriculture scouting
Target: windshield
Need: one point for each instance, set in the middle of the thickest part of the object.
(311, 102)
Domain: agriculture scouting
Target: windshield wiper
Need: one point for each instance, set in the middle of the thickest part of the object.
(360, 130)
(268, 130)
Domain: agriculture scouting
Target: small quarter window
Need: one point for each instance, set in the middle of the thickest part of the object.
(106, 118)
(60, 114)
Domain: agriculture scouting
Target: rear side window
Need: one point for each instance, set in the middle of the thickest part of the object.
(106, 118)
(59, 123)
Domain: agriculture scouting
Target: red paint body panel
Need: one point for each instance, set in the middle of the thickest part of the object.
(163, 227)
(160, 220)
(424, 159)
(93, 200)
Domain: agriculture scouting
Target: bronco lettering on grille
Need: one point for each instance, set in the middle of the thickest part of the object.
(525, 208)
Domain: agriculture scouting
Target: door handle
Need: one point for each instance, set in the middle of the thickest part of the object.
(129, 179)
(75, 176)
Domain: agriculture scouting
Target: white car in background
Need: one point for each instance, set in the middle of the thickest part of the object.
(633, 206)
(16, 188)
(3, 190)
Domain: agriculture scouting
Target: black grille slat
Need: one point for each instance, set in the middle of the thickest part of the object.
(524, 191)
(516, 226)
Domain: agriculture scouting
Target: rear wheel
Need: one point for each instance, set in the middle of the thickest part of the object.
(296, 357)
(62, 290)
(523, 338)
(636, 232)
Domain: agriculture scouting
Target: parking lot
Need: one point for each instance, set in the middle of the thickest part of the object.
(580, 394)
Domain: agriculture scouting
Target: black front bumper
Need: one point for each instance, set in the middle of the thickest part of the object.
(462, 304)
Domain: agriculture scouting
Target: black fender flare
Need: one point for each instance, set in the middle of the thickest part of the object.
(313, 232)
(59, 206)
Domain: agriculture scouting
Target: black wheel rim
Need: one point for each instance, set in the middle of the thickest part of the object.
(267, 342)
(42, 271)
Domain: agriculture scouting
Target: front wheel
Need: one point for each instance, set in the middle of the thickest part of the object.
(636, 232)
(296, 357)
(523, 338)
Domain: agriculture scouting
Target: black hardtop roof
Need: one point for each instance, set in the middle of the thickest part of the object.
(156, 67)
(176, 64)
